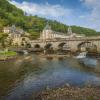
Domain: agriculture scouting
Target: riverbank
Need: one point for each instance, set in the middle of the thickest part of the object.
(7, 55)
(70, 93)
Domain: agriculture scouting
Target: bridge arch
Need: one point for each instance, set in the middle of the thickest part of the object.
(37, 46)
(63, 46)
(87, 46)
(28, 45)
(48, 46)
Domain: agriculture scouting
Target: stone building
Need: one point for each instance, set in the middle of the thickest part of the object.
(49, 34)
(16, 35)
(70, 34)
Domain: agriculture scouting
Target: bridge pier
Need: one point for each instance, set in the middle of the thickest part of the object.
(97, 43)
(73, 45)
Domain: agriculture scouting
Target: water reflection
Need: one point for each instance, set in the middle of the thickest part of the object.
(28, 74)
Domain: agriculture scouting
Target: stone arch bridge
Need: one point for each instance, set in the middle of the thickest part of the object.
(74, 44)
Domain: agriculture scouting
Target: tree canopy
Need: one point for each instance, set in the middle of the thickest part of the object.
(10, 14)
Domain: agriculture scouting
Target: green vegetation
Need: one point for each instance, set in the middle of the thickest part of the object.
(86, 31)
(9, 14)
(8, 53)
(3, 40)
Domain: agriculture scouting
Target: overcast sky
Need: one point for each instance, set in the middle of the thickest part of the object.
(71, 12)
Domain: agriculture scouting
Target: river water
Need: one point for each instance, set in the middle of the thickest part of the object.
(22, 78)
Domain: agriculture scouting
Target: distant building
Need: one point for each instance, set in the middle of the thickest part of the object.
(13, 30)
(49, 34)
(16, 35)
(70, 34)
(6, 30)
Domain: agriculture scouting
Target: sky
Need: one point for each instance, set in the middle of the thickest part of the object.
(83, 13)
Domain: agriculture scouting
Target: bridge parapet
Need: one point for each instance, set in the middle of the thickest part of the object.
(72, 39)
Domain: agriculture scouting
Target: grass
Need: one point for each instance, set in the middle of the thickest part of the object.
(9, 53)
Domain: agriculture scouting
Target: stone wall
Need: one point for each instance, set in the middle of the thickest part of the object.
(73, 44)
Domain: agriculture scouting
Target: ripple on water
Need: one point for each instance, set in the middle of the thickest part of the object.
(38, 73)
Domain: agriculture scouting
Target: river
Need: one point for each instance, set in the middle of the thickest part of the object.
(26, 76)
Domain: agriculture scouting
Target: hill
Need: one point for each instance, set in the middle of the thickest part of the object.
(10, 14)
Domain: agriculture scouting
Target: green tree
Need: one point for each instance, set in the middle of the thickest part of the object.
(3, 39)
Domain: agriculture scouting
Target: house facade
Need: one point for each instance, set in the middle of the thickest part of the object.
(16, 35)
(48, 34)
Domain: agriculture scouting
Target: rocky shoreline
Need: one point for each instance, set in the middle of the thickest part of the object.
(70, 93)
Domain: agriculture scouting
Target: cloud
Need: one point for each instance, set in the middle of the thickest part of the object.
(94, 15)
(82, 16)
(90, 18)
(91, 2)
(44, 10)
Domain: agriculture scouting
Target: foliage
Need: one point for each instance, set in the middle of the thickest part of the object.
(86, 31)
(9, 53)
(3, 39)
(9, 14)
